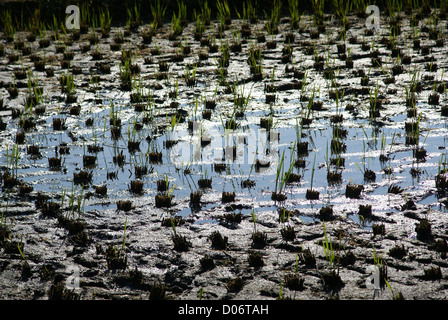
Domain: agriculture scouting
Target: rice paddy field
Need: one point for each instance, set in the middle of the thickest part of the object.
(223, 150)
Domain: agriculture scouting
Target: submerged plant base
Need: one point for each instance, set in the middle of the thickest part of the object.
(332, 280)
(231, 218)
(162, 185)
(247, 183)
(136, 186)
(307, 258)
(420, 154)
(334, 177)
(54, 162)
(59, 291)
(394, 189)
(398, 252)
(89, 161)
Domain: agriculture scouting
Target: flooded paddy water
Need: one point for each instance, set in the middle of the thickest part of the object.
(219, 163)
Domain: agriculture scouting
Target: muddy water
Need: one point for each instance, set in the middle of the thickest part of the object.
(364, 140)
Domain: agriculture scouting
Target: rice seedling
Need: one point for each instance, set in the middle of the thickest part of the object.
(55, 28)
(280, 180)
(136, 186)
(328, 249)
(105, 21)
(331, 278)
(353, 191)
(423, 229)
(26, 268)
(8, 28)
(207, 263)
(378, 229)
(190, 76)
(116, 258)
(68, 87)
(250, 10)
(293, 281)
(433, 273)
(255, 259)
(228, 197)
(182, 12)
(200, 25)
(5, 230)
(318, 8)
(273, 18)
(218, 241)
(287, 232)
(255, 60)
(294, 13)
(12, 164)
(164, 197)
(234, 284)
(310, 193)
(223, 13)
(180, 242)
(395, 295)
(205, 13)
(176, 26)
(158, 11)
(397, 252)
(259, 238)
(133, 16)
(375, 104)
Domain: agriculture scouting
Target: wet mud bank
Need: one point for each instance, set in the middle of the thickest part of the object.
(255, 158)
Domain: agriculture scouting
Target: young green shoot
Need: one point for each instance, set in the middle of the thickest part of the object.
(254, 220)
